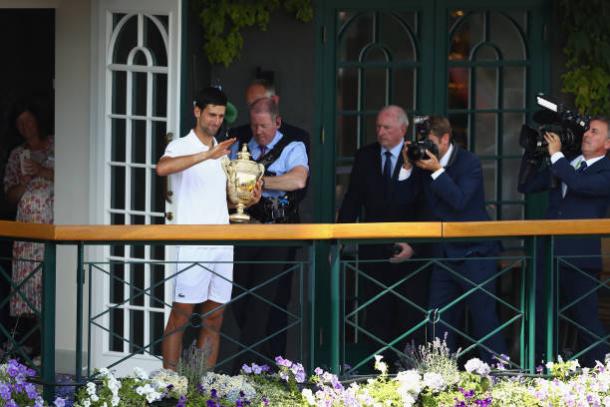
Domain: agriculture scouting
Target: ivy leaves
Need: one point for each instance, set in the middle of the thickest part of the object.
(223, 20)
(588, 52)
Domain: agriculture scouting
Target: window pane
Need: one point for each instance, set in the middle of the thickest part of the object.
(139, 88)
(347, 89)
(484, 133)
(119, 84)
(116, 329)
(394, 35)
(138, 189)
(126, 41)
(505, 35)
(347, 135)
(468, 34)
(375, 88)
(154, 42)
(137, 284)
(117, 195)
(138, 142)
(514, 87)
(118, 140)
(486, 85)
(510, 174)
(358, 32)
(160, 95)
(511, 131)
(459, 88)
(403, 88)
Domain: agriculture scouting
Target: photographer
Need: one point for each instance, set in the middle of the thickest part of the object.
(582, 192)
(453, 188)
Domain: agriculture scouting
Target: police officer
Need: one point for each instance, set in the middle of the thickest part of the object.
(285, 161)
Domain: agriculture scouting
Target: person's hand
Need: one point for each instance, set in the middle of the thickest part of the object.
(406, 164)
(406, 252)
(554, 143)
(431, 164)
(31, 167)
(221, 149)
(257, 193)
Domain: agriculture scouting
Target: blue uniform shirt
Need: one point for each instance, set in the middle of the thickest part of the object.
(293, 155)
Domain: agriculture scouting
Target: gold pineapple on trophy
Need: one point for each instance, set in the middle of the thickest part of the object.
(242, 175)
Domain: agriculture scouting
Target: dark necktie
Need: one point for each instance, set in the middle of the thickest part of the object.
(263, 149)
(582, 166)
(387, 172)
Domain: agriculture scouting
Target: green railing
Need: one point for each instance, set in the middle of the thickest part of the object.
(322, 317)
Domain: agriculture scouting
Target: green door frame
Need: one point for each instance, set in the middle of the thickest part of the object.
(433, 53)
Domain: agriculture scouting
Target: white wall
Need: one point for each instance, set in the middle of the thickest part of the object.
(72, 140)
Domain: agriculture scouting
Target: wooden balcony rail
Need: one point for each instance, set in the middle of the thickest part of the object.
(307, 231)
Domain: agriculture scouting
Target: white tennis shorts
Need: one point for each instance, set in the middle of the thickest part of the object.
(203, 273)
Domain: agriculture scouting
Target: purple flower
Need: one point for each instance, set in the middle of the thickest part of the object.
(282, 362)
(59, 402)
(200, 388)
(318, 371)
(211, 403)
(5, 391)
(181, 402)
(30, 390)
(265, 401)
(11, 403)
(539, 369)
(483, 403)
(214, 393)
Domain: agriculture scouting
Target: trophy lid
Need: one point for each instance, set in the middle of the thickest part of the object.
(244, 154)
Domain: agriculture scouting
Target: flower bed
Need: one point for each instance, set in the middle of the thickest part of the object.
(435, 381)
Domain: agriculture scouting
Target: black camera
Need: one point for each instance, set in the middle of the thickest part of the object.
(417, 150)
(554, 118)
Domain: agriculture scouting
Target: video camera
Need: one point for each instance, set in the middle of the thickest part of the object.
(554, 118)
(417, 149)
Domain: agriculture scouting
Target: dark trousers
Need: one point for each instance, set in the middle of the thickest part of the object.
(573, 284)
(256, 319)
(390, 316)
(446, 287)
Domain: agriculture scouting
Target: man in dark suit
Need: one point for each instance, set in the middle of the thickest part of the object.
(374, 194)
(453, 187)
(580, 191)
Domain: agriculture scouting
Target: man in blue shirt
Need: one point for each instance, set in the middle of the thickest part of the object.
(286, 172)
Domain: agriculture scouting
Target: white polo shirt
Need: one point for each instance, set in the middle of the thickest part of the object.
(200, 191)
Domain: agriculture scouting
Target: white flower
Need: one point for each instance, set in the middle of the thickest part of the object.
(434, 381)
(477, 366)
(86, 403)
(94, 398)
(408, 401)
(410, 383)
(91, 388)
(380, 366)
(139, 373)
(308, 395)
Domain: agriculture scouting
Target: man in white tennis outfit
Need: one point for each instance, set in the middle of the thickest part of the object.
(204, 273)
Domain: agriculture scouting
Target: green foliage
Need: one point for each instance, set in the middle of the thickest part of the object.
(223, 21)
(588, 53)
